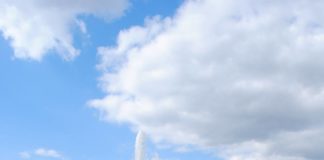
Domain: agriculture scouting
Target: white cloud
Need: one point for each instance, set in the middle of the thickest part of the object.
(24, 155)
(36, 27)
(244, 77)
(48, 153)
(41, 152)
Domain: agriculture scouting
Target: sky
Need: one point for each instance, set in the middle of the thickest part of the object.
(201, 79)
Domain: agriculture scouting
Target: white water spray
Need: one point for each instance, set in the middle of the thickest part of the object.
(140, 146)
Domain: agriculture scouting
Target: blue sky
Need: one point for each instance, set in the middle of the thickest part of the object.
(43, 104)
(203, 79)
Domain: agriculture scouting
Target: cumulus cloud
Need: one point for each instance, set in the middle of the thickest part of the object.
(24, 155)
(48, 153)
(36, 27)
(244, 77)
(41, 152)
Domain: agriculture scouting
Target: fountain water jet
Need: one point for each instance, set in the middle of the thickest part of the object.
(140, 146)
